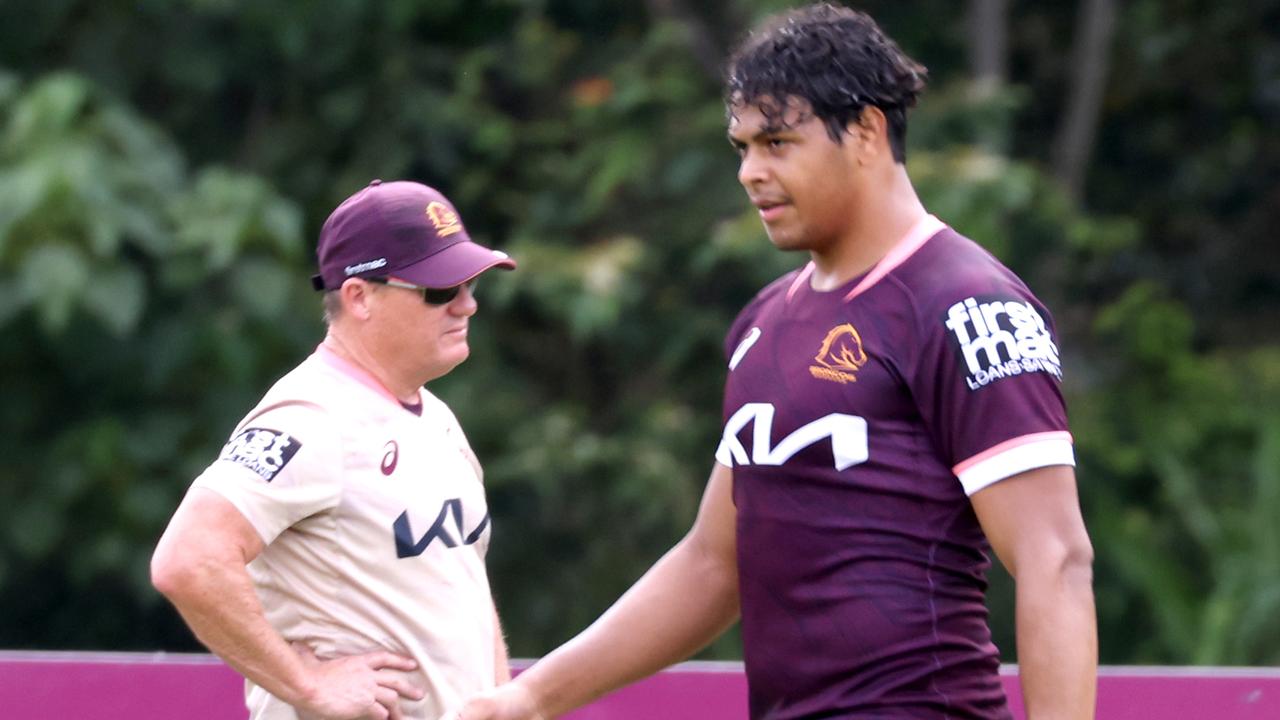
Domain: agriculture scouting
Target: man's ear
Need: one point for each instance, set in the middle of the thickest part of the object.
(869, 134)
(356, 297)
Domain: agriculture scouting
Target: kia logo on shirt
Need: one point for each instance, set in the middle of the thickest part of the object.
(407, 546)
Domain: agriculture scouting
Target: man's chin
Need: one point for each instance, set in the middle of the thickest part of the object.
(446, 362)
(786, 241)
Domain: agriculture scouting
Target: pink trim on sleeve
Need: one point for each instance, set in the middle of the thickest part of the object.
(1007, 445)
(355, 372)
(918, 235)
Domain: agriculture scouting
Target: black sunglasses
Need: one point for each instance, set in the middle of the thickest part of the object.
(431, 296)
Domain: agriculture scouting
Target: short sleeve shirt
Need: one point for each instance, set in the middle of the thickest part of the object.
(375, 526)
(857, 422)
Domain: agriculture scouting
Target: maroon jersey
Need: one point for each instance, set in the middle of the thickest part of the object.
(857, 422)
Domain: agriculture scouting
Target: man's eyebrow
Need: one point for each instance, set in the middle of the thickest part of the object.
(763, 132)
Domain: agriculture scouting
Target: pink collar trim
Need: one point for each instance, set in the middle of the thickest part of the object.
(353, 371)
(918, 235)
(801, 278)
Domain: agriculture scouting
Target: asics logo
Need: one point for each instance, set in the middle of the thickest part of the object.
(750, 339)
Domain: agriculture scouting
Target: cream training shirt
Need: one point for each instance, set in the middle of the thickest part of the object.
(375, 525)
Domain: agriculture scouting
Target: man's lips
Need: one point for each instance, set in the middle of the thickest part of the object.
(771, 210)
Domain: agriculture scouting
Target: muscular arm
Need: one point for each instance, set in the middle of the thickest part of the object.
(1034, 525)
(686, 600)
(199, 564)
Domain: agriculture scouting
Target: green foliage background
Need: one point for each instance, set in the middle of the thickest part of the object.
(165, 166)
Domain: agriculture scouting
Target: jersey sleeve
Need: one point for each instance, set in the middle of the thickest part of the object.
(987, 380)
(279, 467)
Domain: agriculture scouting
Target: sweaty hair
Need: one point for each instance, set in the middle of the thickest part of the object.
(835, 58)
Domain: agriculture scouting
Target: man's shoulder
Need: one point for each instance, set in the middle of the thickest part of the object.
(301, 398)
(772, 292)
(952, 268)
(776, 289)
(433, 406)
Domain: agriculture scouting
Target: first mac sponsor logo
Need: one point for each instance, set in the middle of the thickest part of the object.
(1001, 337)
(262, 450)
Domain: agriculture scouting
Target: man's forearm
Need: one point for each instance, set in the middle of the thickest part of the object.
(1057, 641)
(684, 602)
(501, 657)
(218, 602)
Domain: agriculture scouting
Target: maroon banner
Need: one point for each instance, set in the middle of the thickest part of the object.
(128, 686)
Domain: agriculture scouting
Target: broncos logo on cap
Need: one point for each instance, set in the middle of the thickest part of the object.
(840, 356)
(444, 219)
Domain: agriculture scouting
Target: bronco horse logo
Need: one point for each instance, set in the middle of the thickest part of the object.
(840, 356)
(445, 219)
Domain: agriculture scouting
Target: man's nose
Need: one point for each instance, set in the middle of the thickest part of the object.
(465, 303)
(751, 169)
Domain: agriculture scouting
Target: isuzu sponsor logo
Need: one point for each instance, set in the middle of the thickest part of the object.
(999, 338)
(262, 450)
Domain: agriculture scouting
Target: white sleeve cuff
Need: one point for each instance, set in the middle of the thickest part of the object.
(1015, 456)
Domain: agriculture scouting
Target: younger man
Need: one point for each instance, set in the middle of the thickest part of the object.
(890, 409)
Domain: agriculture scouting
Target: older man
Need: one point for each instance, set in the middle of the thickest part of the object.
(334, 552)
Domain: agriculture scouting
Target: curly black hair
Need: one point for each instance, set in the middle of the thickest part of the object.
(835, 58)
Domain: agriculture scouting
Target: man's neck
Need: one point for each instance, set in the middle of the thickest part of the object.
(358, 354)
(880, 221)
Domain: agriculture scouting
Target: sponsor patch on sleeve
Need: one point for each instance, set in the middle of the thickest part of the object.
(262, 450)
(998, 337)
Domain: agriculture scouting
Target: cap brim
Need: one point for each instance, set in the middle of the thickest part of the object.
(455, 265)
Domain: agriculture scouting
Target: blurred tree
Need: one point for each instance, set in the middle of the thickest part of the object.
(142, 308)
(1090, 60)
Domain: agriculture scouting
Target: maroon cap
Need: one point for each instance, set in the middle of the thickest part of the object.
(404, 230)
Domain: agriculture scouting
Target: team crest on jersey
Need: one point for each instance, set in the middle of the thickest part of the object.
(262, 450)
(999, 338)
(840, 356)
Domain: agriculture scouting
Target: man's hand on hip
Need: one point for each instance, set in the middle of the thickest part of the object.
(358, 687)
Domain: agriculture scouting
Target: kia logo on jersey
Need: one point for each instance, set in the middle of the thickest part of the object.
(407, 546)
(847, 433)
(390, 456)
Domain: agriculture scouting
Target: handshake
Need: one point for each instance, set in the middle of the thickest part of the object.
(511, 701)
